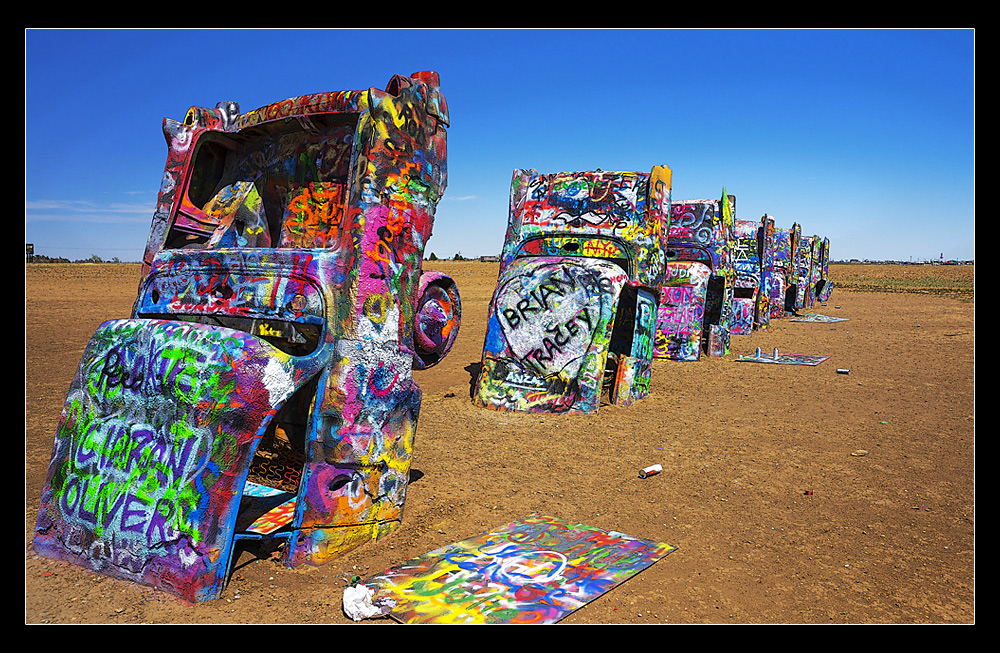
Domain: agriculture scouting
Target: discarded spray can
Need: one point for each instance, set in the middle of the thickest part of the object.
(758, 352)
(652, 470)
(843, 371)
(775, 353)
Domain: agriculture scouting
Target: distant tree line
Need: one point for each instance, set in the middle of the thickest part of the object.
(41, 258)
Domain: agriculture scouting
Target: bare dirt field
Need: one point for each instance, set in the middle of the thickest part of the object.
(795, 494)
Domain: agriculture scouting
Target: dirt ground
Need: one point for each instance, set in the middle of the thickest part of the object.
(795, 494)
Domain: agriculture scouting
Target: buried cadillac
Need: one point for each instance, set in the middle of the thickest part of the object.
(573, 315)
(262, 388)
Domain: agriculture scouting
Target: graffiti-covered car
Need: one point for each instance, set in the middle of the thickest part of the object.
(572, 318)
(680, 316)
(754, 265)
(700, 262)
(824, 287)
(807, 272)
(784, 288)
(766, 243)
(262, 387)
(747, 264)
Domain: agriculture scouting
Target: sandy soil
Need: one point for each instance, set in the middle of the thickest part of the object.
(776, 518)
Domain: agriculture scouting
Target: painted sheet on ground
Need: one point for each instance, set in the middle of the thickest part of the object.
(816, 317)
(535, 570)
(784, 359)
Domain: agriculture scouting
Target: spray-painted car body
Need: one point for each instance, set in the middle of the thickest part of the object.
(780, 265)
(787, 261)
(824, 287)
(575, 301)
(680, 316)
(747, 264)
(700, 241)
(807, 275)
(754, 263)
(267, 363)
(767, 245)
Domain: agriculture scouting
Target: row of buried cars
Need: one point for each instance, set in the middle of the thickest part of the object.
(261, 391)
(601, 273)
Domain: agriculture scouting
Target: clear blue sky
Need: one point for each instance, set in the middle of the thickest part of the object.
(863, 136)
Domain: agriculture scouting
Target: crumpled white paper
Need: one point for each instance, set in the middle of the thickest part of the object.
(358, 603)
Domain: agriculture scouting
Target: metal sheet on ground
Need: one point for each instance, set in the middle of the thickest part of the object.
(535, 570)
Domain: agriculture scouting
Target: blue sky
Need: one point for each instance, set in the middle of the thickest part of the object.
(866, 137)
